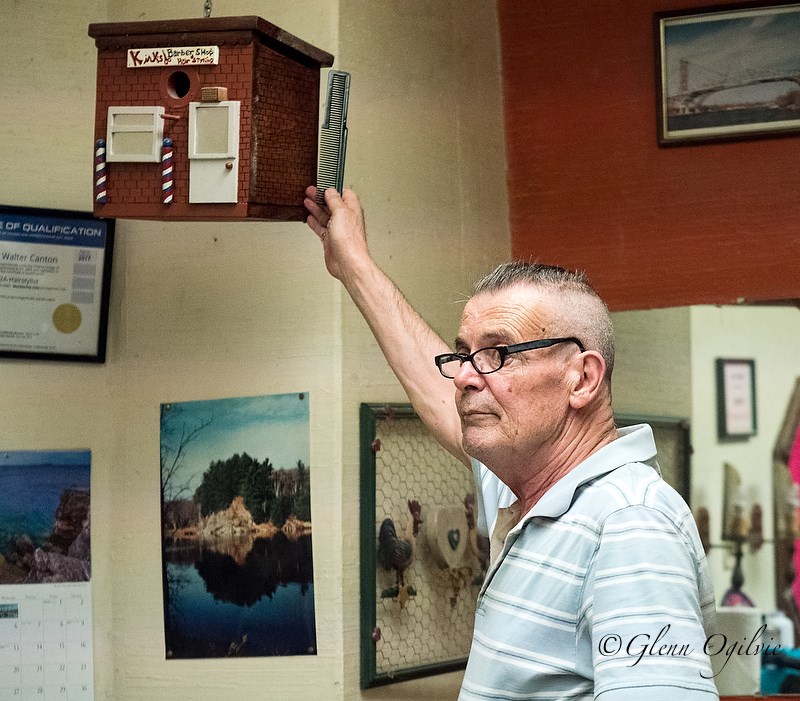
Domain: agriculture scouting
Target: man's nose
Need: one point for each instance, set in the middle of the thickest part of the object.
(468, 377)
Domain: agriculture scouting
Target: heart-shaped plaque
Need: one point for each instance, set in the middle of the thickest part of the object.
(446, 531)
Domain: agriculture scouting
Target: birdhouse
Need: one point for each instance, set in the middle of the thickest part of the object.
(204, 119)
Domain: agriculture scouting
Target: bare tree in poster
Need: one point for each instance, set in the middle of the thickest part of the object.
(174, 491)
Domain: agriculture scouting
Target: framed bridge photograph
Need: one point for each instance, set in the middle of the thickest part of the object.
(728, 72)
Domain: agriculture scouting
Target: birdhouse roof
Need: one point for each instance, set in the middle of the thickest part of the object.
(216, 29)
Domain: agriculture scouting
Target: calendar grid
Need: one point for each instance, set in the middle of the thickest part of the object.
(46, 642)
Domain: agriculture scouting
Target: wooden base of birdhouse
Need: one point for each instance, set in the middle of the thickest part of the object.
(194, 212)
(211, 119)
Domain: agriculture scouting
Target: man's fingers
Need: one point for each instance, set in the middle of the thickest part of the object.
(350, 198)
(315, 210)
(319, 215)
(332, 197)
(315, 225)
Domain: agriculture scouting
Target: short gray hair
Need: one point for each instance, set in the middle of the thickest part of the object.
(579, 310)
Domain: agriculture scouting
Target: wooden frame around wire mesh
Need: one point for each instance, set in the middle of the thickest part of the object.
(400, 460)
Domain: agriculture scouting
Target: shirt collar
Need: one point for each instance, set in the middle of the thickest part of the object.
(634, 444)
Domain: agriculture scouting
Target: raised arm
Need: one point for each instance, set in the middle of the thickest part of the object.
(407, 342)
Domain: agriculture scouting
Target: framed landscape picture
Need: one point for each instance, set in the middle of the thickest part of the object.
(728, 72)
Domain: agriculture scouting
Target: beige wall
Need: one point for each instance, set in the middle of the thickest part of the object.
(666, 368)
(770, 336)
(203, 311)
(652, 371)
(428, 159)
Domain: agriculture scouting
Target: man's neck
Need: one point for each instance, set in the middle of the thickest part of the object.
(556, 461)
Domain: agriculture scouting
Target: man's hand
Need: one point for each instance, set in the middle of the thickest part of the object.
(408, 343)
(340, 227)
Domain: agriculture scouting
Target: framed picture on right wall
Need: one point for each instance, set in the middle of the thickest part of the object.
(727, 72)
(736, 398)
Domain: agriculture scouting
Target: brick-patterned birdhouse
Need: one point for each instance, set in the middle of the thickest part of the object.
(205, 119)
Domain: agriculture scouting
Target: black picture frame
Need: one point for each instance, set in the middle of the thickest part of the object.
(736, 398)
(722, 72)
(55, 284)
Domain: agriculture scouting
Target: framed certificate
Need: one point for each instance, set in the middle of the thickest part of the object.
(736, 398)
(55, 280)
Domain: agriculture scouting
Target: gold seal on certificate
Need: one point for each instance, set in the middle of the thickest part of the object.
(67, 318)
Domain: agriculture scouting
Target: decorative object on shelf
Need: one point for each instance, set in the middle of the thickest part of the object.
(736, 398)
(239, 98)
(727, 73)
(755, 535)
(738, 529)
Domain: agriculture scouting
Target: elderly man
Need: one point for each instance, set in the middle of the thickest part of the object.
(598, 586)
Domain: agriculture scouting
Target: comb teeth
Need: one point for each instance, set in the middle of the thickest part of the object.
(333, 135)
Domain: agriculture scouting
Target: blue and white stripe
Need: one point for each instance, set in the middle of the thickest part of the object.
(611, 550)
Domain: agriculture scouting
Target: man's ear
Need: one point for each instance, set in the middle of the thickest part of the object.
(590, 369)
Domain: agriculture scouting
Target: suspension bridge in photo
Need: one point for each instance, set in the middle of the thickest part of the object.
(688, 100)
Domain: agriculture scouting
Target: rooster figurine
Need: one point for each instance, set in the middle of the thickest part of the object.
(396, 552)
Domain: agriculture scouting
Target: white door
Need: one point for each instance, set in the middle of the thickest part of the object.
(213, 151)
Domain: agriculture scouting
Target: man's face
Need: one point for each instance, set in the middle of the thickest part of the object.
(510, 417)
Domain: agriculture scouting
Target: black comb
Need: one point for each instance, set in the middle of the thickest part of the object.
(333, 135)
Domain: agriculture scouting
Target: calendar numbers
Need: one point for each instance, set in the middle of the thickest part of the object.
(45, 642)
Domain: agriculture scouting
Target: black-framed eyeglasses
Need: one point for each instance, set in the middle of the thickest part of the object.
(491, 359)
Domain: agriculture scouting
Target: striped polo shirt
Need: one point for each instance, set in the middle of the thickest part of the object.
(601, 590)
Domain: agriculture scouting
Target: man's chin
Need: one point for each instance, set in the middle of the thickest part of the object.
(473, 442)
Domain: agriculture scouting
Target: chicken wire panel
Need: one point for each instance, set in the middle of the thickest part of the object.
(429, 624)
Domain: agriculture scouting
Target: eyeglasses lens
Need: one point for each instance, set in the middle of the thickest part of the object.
(450, 368)
(488, 360)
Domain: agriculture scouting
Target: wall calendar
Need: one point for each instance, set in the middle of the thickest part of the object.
(46, 642)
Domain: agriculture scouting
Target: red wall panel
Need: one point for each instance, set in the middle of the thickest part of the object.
(590, 188)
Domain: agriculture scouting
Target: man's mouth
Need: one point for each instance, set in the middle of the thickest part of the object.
(474, 413)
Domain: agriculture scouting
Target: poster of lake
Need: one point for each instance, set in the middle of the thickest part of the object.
(236, 527)
(44, 516)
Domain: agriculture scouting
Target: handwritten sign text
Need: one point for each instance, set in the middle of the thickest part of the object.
(173, 56)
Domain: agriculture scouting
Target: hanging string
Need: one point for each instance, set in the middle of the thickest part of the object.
(207, 8)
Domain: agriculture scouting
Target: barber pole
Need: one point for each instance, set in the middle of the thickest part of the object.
(100, 171)
(166, 171)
